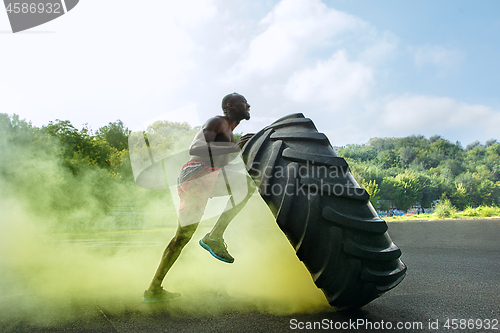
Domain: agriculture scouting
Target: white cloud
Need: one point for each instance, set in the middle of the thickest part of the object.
(186, 114)
(438, 57)
(290, 29)
(400, 116)
(191, 14)
(430, 115)
(336, 81)
(125, 66)
(380, 48)
(285, 56)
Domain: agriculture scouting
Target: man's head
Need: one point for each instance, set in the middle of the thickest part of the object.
(236, 105)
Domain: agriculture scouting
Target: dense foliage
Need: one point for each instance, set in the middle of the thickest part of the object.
(62, 172)
(413, 171)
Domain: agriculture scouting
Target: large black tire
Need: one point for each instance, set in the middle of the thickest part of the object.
(325, 215)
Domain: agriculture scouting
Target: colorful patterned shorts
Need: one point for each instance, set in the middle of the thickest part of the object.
(195, 185)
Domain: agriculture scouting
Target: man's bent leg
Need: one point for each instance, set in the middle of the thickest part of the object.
(213, 242)
(230, 212)
(171, 253)
(241, 189)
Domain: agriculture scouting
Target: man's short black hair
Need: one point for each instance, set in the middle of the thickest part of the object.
(227, 99)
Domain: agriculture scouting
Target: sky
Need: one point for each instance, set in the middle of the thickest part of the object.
(359, 69)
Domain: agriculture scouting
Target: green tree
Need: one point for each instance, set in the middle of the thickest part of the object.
(431, 189)
(490, 143)
(388, 159)
(459, 196)
(389, 190)
(116, 134)
(410, 190)
(488, 192)
(360, 153)
(404, 190)
(473, 145)
(406, 155)
(373, 190)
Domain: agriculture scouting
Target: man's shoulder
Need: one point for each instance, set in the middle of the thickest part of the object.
(216, 123)
(217, 118)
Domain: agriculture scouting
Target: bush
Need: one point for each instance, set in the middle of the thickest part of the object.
(469, 211)
(444, 209)
(487, 211)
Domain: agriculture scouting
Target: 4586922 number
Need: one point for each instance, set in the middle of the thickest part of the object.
(25, 8)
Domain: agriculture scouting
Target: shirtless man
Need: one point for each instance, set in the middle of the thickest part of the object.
(204, 177)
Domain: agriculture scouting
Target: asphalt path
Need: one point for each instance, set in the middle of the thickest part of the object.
(452, 285)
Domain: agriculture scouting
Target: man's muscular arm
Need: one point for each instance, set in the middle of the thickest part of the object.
(216, 136)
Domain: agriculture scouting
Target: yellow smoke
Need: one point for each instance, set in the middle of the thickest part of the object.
(44, 274)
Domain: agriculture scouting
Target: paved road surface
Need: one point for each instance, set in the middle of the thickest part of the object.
(454, 273)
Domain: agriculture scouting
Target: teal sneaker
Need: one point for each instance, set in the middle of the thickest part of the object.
(217, 248)
(159, 296)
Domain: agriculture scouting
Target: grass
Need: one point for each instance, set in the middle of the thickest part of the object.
(445, 210)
